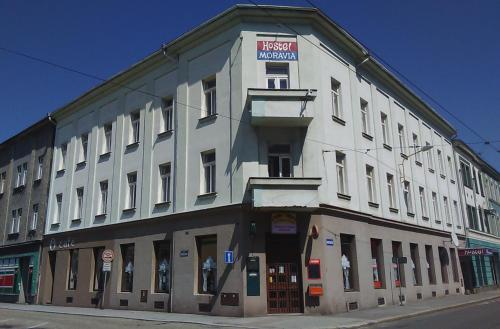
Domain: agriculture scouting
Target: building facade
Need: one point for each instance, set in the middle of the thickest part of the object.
(253, 167)
(25, 161)
(480, 196)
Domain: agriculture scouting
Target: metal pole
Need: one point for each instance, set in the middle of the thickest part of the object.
(104, 289)
(399, 277)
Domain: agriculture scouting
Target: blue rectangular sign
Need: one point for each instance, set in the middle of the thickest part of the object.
(329, 242)
(228, 257)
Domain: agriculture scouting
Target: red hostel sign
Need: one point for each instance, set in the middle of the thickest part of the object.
(277, 51)
(475, 252)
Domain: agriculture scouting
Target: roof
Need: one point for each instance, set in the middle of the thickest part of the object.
(261, 12)
(40, 123)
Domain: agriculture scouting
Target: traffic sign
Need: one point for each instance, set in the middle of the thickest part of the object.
(228, 257)
(106, 267)
(108, 255)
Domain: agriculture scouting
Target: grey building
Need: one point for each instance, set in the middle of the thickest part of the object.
(25, 161)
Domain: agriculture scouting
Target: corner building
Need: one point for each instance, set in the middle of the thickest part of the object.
(238, 137)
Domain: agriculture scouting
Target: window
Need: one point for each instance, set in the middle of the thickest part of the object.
(39, 168)
(435, 207)
(58, 208)
(391, 190)
(132, 190)
(365, 118)
(108, 132)
(480, 183)
(475, 180)
(446, 211)
(98, 274)
(162, 266)
(84, 144)
(64, 151)
(441, 163)
(336, 98)
(79, 203)
(207, 264)
(3, 178)
(466, 174)
(415, 264)
(277, 76)
(486, 227)
(402, 138)
(399, 271)
(370, 184)
(279, 161)
(341, 173)
(349, 262)
(455, 211)
(430, 160)
(377, 263)
(481, 221)
(22, 171)
(429, 259)
(416, 147)
(135, 121)
(423, 202)
(16, 220)
(208, 161)
(34, 217)
(209, 89)
(472, 216)
(73, 269)
(164, 183)
(385, 128)
(127, 279)
(103, 203)
(443, 261)
(450, 167)
(408, 197)
(167, 114)
(454, 266)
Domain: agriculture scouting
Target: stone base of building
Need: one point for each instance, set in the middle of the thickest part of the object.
(236, 261)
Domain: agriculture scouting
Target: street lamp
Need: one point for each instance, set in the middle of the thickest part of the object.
(422, 149)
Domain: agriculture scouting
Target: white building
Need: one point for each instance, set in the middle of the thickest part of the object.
(269, 132)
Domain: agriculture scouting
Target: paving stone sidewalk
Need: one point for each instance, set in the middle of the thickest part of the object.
(344, 320)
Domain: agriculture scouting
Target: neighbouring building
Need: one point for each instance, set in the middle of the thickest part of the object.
(25, 161)
(261, 163)
(480, 198)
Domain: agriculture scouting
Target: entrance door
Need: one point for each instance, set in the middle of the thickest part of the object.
(284, 283)
(52, 264)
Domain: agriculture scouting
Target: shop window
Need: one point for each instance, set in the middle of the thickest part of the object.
(162, 266)
(73, 269)
(277, 76)
(127, 251)
(415, 264)
(98, 273)
(454, 266)
(377, 263)
(279, 161)
(399, 270)
(429, 259)
(207, 264)
(348, 262)
(444, 260)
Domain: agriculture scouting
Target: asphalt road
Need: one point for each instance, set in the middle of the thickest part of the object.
(485, 315)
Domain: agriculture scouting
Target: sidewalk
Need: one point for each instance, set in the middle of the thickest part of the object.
(344, 320)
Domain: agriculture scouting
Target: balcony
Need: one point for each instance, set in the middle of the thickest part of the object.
(283, 193)
(281, 107)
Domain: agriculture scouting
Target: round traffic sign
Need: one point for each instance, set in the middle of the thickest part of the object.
(108, 255)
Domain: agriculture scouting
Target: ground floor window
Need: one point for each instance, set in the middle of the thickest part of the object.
(98, 274)
(73, 269)
(127, 251)
(377, 263)
(444, 260)
(207, 264)
(398, 268)
(429, 258)
(415, 264)
(454, 266)
(162, 266)
(348, 261)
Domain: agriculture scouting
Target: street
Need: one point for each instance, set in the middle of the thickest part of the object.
(484, 315)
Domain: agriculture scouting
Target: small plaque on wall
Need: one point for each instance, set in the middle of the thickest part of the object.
(144, 296)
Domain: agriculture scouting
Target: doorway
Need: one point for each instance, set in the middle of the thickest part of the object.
(52, 264)
(283, 274)
(26, 271)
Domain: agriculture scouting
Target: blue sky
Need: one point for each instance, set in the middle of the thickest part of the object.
(451, 49)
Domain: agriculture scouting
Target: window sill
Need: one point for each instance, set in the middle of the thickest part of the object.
(76, 220)
(208, 119)
(128, 210)
(394, 210)
(452, 181)
(418, 163)
(54, 225)
(37, 181)
(338, 120)
(13, 235)
(448, 224)
(373, 204)
(81, 164)
(369, 137)
(410, 214)
(459, 227)
(387, 147)
(60, 172)
(207, 195)
(351, 290)
(163, 204)
(104, 156)
(404, 156)
(132, 146)
(425, 218)
(443, 176)
(19, 188)
(100, 216)
(343, 196)
(437, 221)
(165, 134)
(431, 170)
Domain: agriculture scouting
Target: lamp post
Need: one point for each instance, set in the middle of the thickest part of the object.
(422, 149)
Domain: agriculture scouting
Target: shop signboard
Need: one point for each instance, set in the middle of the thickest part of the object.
(283, 223)
(7, 279)
(475, 252)
(271, 50)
